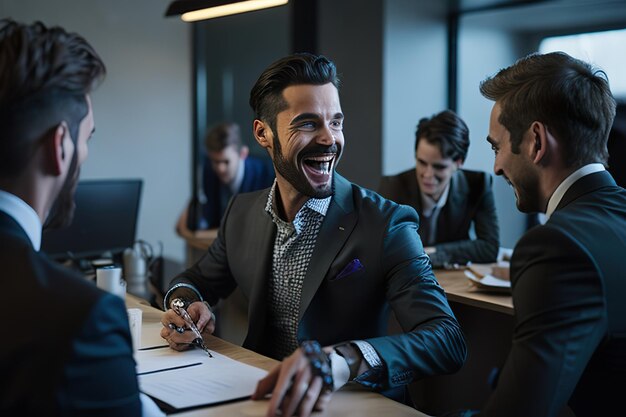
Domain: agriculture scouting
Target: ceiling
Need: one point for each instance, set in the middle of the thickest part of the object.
(543, 15)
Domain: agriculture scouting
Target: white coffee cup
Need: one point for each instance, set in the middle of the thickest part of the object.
(109, 278)
(134, 321)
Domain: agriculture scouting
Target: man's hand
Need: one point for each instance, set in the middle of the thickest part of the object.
(295, 388)
(200, 314)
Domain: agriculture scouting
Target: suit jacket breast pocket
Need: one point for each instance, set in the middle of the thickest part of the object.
(351, 268)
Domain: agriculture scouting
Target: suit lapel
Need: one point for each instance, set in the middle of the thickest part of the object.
(10, 226)
(262, 244)
(585, 185)
(413, 188)
(338, 224)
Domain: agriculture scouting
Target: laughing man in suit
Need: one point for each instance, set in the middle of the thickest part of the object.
(322, 259)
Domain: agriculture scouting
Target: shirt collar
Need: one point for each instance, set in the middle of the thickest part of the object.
(24, 215)
(560, 191)
(429, 205)
(319, 205)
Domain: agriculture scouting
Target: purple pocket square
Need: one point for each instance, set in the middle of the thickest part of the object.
(352, 267)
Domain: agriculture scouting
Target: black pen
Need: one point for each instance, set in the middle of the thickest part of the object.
(154, 347)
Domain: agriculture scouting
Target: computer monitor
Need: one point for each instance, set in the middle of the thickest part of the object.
(104, 221)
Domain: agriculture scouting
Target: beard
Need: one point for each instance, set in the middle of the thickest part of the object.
(296, 177)
(526, 193)
(62, 212)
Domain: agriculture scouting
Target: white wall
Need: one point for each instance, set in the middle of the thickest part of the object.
(414, 77)
(475, 110)
(143, 108)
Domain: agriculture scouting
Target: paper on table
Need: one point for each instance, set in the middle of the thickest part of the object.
(489, 282)
(216, 380)
(166, 358)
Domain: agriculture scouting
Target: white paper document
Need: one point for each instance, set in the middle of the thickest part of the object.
(214, 380)
(164, 358)
(489, 282)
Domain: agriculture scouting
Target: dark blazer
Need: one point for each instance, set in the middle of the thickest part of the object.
(368, 257)
(66, 348)
(470, 200)
(569, 292)
(257, 175)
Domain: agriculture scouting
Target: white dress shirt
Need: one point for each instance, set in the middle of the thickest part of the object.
(560, 191)
(24, 215)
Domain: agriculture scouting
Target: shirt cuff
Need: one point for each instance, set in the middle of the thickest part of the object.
(340, 370)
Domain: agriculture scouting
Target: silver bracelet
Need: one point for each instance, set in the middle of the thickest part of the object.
(179, 285)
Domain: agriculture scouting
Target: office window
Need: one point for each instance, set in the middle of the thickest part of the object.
(602, 49)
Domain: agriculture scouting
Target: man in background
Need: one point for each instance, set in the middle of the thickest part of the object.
(549, 128)
(227, 169)
(452, 203)
(69, 348)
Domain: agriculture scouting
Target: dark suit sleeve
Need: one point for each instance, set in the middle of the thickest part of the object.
(211, 275)
(559, 322)
(433, 343)
(484, 248)
(100, 377)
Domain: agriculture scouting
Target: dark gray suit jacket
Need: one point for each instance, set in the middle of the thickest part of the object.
(569, 290)
(341, 301)
(470, 200)
(67, 346)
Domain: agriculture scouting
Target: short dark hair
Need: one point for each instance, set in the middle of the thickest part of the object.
(569, 96)
(266, 97)
(45, 75)
(221, 136)
(447, 131)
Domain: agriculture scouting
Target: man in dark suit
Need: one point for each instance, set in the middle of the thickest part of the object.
(68, 348)
(549, 128)
(448, 199)
(227, 169)
(320, 258)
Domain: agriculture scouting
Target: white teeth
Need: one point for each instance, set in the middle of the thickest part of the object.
(324, 158)
(322, 163)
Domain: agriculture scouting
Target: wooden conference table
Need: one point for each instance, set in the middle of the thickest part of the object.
(460, 290)
(350, 401)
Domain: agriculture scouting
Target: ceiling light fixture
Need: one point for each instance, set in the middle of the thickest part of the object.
(193, 10)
